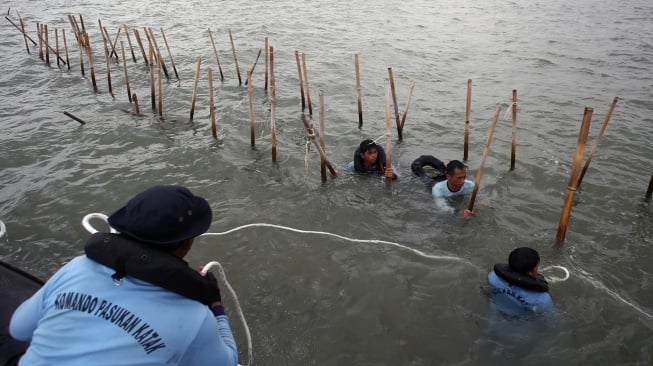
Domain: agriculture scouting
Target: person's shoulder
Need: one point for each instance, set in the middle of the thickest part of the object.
(438, 188)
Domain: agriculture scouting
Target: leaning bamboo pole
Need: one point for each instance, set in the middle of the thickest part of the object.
(47, 44)
(152, 91)
(251, 71)
(410, 94)
(322, 143)
(596, 142)
(273, 106)
(80, 41)
(359, 95)
(308, 93)
(81, 121)
(140, 44)
(266, 64)
(157, 53)
(388, 130)
(301, 81)
(468, 108)
(106, 57)
(65, 45)
(89, 53)
(513, 149)
(486, 150)
(252, 133)
(38, 33)
(394, 102)
(573, 177)
(56, 42)
(159, 62)
(172, 61)
(214, 128)
(311, 136)
(129, 41)
(124, 64)
(233, 50)
(649, 191)
(193, 98)
(215, 50)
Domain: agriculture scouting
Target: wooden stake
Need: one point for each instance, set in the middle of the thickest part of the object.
(80, 41)
(159, 62)
(140, 44)
(75, 118)
(322, 143)
(152, 93)
(124, 64)
(157, 53)
(47, 44)
(649, 191)
(114, 44)
(129, 42)
(56, 42)
(197, 77)
(215, 50)
(233, 50)
(39, 28)
(22, 29)
(89, 53)
(251, 71)
(106, 57)
(311, 135)
(410, 94)
(137, 109)
(394, 102)
(486, 150)
(308, 93)
(573, 178)
(252, 134)
(513, 149)
(468, 108)
(358, 92)
(301, 80)
(172, 61)
(388, 129)
(214, 128)
(273, 105)
(267, 57)
(598, 139)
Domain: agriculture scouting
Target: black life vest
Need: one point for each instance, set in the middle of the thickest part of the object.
(428, 160)
(145, 262)
(537, 283)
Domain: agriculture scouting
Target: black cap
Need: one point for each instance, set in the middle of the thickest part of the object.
(163, 215)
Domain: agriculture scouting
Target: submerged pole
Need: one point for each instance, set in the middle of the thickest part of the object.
(573, 178)
(649, 191)
(468, 108)
(129, 41)
(197, 77)
(513, 149)
(81, 121)
(267, 57)
(65, 45)
(124, 64)
(388, 130)
(140, 44)
(322, 143)
(359, 95)
(311, 135)
(214, 128)
(172, 61)
(233, 50)
(273, 106)
(252, 133)
(215, 50)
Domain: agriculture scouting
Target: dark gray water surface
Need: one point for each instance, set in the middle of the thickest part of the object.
(310, 298)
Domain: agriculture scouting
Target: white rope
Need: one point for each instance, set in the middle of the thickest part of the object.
(87, 224)
(556, 279)
(3, 229)
(241, 316)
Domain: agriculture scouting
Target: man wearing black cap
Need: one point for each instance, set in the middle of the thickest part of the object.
(370, 158)
(132, 299)
(516, 288)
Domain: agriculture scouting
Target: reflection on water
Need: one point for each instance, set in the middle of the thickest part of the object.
(322, 299)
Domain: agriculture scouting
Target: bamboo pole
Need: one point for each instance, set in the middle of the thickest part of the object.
(215, 50)
(106, 57)
(214, 128)
(359, 95)
(80, 41)
(513, 149)
(598, 139)
(649, 191)
(108, 38)
(322, 143)
(573, 177)
(273, 105)
(394, 102)
(56, 42)
(81, 21)
(81, 121)
(252, 133)
(129, 42)
(23, 29)
(140, 44)
(137, 109)
(38, 33)
(388, 129)
(301, 81)
(311, 135)
(47, 44)
(124, 64)
(308, 93)
(90, 60)
(158, 53)
(65, 45)
(172, 61)
(468, 108)
(197, 77)
(486, 150)
(266, 64)
(233, 50)
(114, 44)
(152, 92)
(159, 62)
(251, 71)
(410, 94)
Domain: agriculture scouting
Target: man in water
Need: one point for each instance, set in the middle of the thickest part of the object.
(516, 288)
(132, 299)
(370, 158)
(454, 185)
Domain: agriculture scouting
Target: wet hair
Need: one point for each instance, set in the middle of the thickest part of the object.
(366, 145)
(524, 259)
(453, 165)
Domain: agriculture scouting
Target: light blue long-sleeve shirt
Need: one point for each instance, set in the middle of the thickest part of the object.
(80, 317)
(441, 194)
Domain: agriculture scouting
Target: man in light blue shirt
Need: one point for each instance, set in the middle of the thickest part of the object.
(454, 185)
